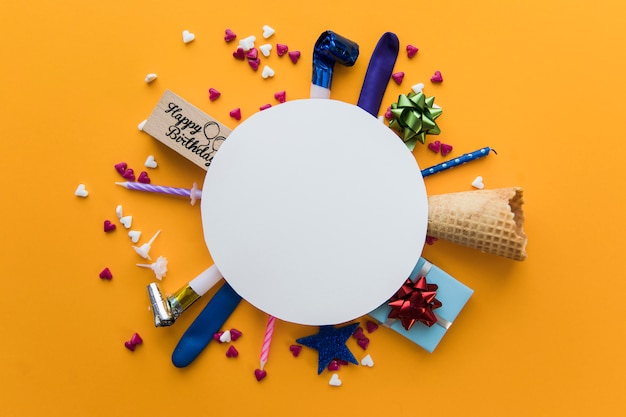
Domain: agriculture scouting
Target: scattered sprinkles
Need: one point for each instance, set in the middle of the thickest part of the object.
(108, 226)
(81, 191)
(398, 77)
(367, 361)
(214, 94)
(129, 174)
(106, 274)
(239, 53)
(335, 381)
(252, 53)
(134, 235)
(150, 77)
(268, 31)
(225, 337)
(235, 113)
(254, 63)
(259, 374)
(281, 96)
(265, 107)
(411, 50)
(267, 72)
(143, 178)
(478, 183)
(445, 149)
(430, 240)
(232, 352)
(265, 49)
(295, 350)
(294, 56)
(150, 162)
(371, 326)
(417, 88)
(126, 221)
(229, 35)
(364, 342)
(235, 334)
(435, 146)
(281, 49)
(133, 342)
(437, 77)
(247, 43)
(333, 365)
(121, 167)
(188, 36)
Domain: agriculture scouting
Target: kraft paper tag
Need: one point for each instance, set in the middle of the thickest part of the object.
(186, 129)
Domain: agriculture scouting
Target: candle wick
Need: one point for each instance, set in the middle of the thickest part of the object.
(494, 151)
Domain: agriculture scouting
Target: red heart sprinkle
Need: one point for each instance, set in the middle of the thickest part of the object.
(430, 240)
(333, 365)
(398, 77)
(108, 226)
(235, 334)
(130, 346)
(232, 352)
(214, 94)
(364, 342)
(254, 63)
(281, 96)
(294, 56)
(437, 77)
(434, 146)
(371, 326)
(259, 374)
(216, 336)
(121, 167)
(252, 53)
(229, 35)
(342, 362)
(411, 50)
(143, 178)
(358, 333)
(136, 339)
(236, 113)
(388, 114)
(239, 54)
(295, 350)
(129, 174)
(265, 107)
(445, 149)
(106, 273)
(281, 49)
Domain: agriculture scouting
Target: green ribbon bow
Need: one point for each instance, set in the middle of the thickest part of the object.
(413, 117)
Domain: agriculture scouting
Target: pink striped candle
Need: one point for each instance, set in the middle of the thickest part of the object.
(267, 340)
(194, 193)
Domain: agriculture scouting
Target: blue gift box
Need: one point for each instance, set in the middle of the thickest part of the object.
(453, 296)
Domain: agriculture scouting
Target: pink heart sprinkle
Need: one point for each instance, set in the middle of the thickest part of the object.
(437, 77)
(342, 362)
(364, 342)
(236, 113)
(106, 273)
(143, 178)
(398, 77)
(259, 374)
(232, 352)
(265, 107)
(108, 226)
(371, 326)
(358, 333)
(136, 339)
(445, 149)
(430, 240)
(130, 346)
(252, 53)
(388, 114)
(295, 350)
(411, 50)
(121, 167)
(239, 54)
(235, 334)
(216, 336)
(434, 146)
(214, 94)
(129, 174)
(229, 35)
(294, 56)
(281, 96)
(254, 63)
(333, 365)
(281, 49)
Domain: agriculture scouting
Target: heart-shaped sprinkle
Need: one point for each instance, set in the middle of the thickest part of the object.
(126, 221)
(235, 334)
(295, 350)
(142, 124)
(435, 146)
(143, 178)
(216, 336)
(281, 49)
(81, 191)
(398, 77)
(188, 36)
(254, 63)
(130, 346)
(411, 50)
(235, 113)
(334, 381)
(265, 107)
(265, 49)
(267, 72)
(367, 361)
(229, 35)
(150, 77)
(106, 274)
(417, 88)
(388, 114)
(232, 352)
(118, 211)
(363, 342)
(445, 149)
(247, 43)
(294, 56)
(150, 162)
(430, 240)
(239, 53)
(108, 226)
(214, 94)
(478, 183)
(136, 339)
(134, 235)
(333, 365)
(342, 362)
(437, 77)
(259, 374)
(281, 96)
(121, 167)
(252, 53)
(371, 326)
(225, 337)
(129, 174)
(268, 31)
(358, 333)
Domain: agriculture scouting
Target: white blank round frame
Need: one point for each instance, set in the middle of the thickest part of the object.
(314, 211)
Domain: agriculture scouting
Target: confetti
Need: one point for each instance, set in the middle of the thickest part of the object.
(398, 77)
(143, 178)
(121, 167)
(108, 226)
(188, 36)
(259, 374)
(150, 162)
(367, 361)
(435, 146)
(265, 49)
(478, 183)
(216, 336)
(229, 35)
(235, 113)
(363, 342)
(252, 53)
(239, 53)
(254, 63)
(388, 114)
(335, 381)
(294, 56)
(235, 334)
(281, 49)
(133, 342)
(411, 50)
(268, 31)
(295, 350)
(333, 366)
(134, 235)
(265, 107)
(126, 221)
(232, 352)
(417, 88)
(225, 337)
(150, 77)
(214, 94)
(267, 72)
(106, 274)
(142, 124)
(81, 191)
(437, 77)
(118, 211)
(281, 96)
(445, 149)
(371, 326)
(129, 174)
(358, 333)
(247, 43)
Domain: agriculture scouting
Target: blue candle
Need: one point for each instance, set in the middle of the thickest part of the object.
(457, 161)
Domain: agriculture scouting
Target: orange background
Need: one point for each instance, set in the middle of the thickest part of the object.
(542, 82)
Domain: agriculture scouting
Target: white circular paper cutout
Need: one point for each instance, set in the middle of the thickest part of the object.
(314, 211)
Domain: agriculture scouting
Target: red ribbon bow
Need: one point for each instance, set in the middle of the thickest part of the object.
(415, 301)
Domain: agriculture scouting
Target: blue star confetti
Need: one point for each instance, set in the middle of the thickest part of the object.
(330, 342)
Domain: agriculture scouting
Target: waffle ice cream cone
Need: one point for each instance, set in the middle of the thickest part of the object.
(488, 220)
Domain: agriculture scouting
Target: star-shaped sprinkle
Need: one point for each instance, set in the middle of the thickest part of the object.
(330, 342)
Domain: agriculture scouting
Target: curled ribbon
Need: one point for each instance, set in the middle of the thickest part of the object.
(415, 301)
(413, 117)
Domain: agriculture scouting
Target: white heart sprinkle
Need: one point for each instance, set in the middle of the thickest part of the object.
(81, 191)
(225, 337)
(367, 361)
(247, 43)
(265, 49)
(268, 31)
(150, 162)
(417, 88)
(126, 221)
(141, 125)
(335, 381)
(118, 211)
(151, 77)
(134, 235)
(478, 183)
(267, 72)
(188, 36)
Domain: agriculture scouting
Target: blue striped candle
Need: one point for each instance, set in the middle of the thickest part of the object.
(457, 161)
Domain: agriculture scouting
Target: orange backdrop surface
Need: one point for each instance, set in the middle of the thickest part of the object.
(542, 82)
